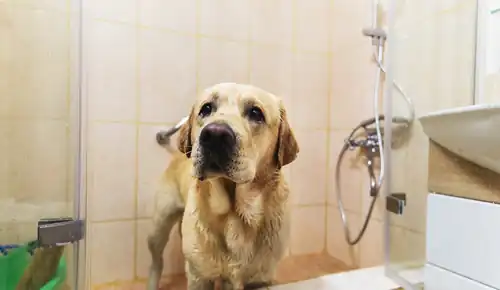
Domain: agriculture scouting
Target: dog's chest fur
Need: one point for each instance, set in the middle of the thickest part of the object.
(239, 240)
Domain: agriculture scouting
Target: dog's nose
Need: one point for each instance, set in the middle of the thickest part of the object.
(217, 135)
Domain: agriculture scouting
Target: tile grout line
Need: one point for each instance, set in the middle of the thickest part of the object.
(328, 125)
(68, 111)
(208, 36)
(197, 45)
(249, 44)
(294, 51)
(121, 220)
(69, 252)
(137, 131)
(85, 143)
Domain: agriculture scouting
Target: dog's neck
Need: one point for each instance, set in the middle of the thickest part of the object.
(246, 202)
(264, 182)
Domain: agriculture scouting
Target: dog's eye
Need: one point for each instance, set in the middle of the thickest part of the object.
(206, 110)
(255, 114)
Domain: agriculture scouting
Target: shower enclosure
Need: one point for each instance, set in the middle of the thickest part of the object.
(40, 129)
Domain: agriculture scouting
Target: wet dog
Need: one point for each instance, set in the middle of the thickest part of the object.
(226, 187)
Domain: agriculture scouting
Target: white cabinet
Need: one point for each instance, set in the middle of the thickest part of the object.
(463, 237)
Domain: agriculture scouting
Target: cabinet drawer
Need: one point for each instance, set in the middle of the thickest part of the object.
(463, 236)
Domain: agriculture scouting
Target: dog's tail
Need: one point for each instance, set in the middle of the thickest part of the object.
(163, 137)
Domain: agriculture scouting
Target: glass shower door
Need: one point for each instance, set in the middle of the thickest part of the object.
(432, 57)
(39, 143)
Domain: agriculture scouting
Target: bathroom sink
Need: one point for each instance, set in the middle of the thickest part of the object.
(472, 132)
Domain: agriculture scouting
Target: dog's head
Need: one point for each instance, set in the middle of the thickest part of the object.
(236, 130)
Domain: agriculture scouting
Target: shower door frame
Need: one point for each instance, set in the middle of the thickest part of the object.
(80, 111)
(388, 90)
(388, 93)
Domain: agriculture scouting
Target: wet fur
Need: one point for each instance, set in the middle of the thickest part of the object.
(234, 227)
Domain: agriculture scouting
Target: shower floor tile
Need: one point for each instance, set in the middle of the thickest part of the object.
(291, 269)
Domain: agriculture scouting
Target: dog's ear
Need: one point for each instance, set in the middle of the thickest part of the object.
(184, 142)
(287, 147)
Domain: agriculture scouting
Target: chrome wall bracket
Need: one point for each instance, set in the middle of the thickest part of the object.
(395, 203)
(59, 231)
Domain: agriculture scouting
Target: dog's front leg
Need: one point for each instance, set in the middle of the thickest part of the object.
(232, 285)
(195, 282)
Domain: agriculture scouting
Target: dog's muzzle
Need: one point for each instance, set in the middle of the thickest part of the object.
(217, 144)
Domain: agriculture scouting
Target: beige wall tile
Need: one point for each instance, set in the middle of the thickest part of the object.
(222, 61)
(38, 48)
(307, 230)
(15, 232)
(46, 5)
(112, 251)
(118, 10)
(357, 15)
(271, 69)
(5, 98)
(407, 247)
(38, 161)
(371, 247)
(455, 56)
(112, 73)
(492, 88)
(172, 256)
(337, 246)
(453, 5)
(353, 80)
(167, 75)
(169, 14)
(111, 171)
(271, 22)
(5, 129)
(153, 160)
(225, 18)
(9, 235)
(308, 172)
(313, 25)
(310, 91)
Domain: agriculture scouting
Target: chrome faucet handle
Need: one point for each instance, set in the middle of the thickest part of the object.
(353, 144)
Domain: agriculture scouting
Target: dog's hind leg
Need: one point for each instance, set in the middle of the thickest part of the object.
(169, 210)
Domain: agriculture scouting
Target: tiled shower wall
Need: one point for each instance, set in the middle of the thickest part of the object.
(145, 61)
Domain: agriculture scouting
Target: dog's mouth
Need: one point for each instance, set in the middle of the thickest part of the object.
(217, 147)
(215, 162)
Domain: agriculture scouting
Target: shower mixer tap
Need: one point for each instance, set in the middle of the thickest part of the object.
(372, 151)
(370, 147)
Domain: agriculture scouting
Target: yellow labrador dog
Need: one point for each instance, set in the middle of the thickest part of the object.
(227, 188)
